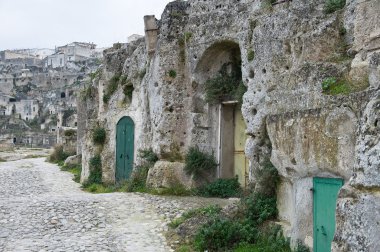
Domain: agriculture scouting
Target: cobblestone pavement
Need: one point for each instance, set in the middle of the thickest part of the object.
(42, 209)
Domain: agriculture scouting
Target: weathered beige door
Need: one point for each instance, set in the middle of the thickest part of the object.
(232, 138)
(240, 160)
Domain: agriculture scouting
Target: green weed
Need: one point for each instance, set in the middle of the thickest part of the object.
(223, 188)
(197, 163)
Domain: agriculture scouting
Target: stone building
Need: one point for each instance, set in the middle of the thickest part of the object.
(290, 56)
(73, 52)
(25, 109)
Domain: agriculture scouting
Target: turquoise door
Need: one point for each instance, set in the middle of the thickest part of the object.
(125, 132)
(325, 196)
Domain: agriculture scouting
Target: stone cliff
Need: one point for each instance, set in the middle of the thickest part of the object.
(311, 104)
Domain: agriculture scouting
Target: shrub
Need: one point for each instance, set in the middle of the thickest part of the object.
(268, 241)
(137, 182)
(222, 235)
(99, 136)
(184, 248)
(211, 211)
(172, 73)
(106, 98)
(113, 84)
(223, 86)
(251, 55)
(112, 87)
(260, 208)
(70, 132)
(267, 178)
(223, 188)
(239, 92)
(95, 171)
(148, 155)
(301, 247)
(334, 5)
(58, 154)
(198, 163)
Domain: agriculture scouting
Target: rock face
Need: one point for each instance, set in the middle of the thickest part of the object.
(285, 53)
(168, 174)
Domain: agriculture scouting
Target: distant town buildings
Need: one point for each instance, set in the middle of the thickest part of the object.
(38, 92)
(73, 52)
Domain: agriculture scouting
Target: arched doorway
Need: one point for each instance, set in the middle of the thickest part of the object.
(125, 134)
(218, 80)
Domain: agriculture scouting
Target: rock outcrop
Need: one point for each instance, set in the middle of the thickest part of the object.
(311, 104)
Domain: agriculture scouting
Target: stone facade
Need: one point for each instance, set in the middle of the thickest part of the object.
(286, 52)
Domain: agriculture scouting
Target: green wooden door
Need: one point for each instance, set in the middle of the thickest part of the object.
(325, 197)
(125, 131)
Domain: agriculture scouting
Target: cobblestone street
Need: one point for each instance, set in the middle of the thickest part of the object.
(42, 209)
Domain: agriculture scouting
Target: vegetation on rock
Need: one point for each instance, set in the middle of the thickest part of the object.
(172, 73)
(334, 5)
(225, 86)
(223, 188)
(148, 155)
(112, 86)
(198, 163)
(99, 136)
(95, 176)
(334, 86)
(249, 228)
(250, 55)
(208, 211)
(58, 155)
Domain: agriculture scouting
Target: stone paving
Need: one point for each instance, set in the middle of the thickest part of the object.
(42, 209)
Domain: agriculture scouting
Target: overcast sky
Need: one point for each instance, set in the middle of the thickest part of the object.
(47, 23)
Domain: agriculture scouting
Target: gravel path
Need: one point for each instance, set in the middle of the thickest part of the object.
(42, 209)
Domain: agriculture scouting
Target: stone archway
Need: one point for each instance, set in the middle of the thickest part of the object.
(219, 124)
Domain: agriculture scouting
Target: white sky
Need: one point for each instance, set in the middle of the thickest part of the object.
(50, 23)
